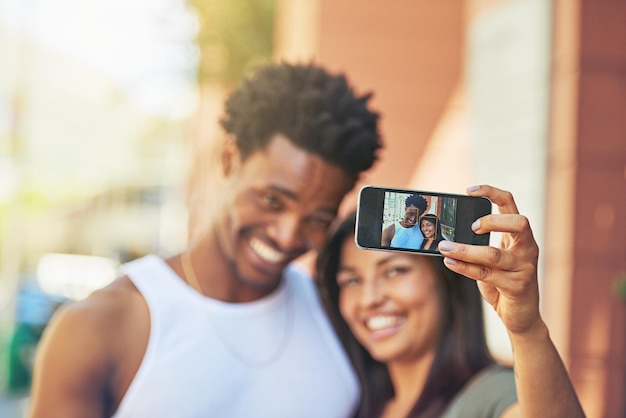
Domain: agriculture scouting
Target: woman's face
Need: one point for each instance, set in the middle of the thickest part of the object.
(428, 228)
(390, 302)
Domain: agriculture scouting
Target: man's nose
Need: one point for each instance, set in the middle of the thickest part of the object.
(288, 232)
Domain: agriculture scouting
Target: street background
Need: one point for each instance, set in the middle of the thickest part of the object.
(108, 129)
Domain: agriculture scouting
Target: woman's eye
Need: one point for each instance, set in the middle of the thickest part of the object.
(343, 282)
(394, 271)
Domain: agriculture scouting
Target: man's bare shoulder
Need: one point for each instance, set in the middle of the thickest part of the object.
(83, 349)
(105, 305)
(101, 317)
(388, 234)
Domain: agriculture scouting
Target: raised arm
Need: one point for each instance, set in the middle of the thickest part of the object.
(507, 279)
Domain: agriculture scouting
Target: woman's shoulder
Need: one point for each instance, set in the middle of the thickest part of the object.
(487, 395)
(491, 375)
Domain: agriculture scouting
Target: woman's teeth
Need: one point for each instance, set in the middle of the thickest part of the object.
(376, 323)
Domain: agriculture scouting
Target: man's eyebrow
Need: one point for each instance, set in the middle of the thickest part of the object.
(285, 192)
(293, 196)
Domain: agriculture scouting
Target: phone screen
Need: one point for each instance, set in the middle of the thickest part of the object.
(416, 221)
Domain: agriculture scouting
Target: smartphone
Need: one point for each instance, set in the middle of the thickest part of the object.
(415, 221)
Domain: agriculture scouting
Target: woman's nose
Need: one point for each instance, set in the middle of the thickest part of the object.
(372, 294)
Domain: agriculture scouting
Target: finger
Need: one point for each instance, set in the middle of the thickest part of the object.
(503, 199)
(492, 281)
(499, 268)
(480, 273)
(518, 225)
(483, 258)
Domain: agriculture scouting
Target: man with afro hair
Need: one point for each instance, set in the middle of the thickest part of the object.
(230, 327)
(405, 234)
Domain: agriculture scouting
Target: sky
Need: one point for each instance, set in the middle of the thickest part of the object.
(145, 46)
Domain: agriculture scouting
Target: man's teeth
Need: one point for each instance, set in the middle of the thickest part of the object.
(380, 322)
(266, 252)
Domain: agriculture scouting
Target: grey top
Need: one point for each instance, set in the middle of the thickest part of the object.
(487, 395)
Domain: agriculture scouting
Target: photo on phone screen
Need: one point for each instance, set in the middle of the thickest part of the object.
(416, 221)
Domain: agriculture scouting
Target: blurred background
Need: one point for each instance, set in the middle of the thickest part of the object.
(108, 129)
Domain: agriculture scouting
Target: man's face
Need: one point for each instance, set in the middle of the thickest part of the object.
(410, 216)
(280, 203)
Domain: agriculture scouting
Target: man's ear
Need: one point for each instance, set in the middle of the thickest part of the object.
(231, 157)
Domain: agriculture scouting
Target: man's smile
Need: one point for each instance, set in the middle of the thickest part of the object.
(266, 252)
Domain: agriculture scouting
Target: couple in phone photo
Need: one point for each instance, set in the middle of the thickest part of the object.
(417, 230)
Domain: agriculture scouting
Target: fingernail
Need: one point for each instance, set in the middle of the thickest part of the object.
(450, 261)
(473, 188)
(445, 246)
(476, 225)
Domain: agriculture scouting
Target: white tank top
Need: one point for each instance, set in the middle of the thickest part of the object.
(274, 357)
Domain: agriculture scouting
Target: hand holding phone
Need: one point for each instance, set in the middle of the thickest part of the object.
(416, 221)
